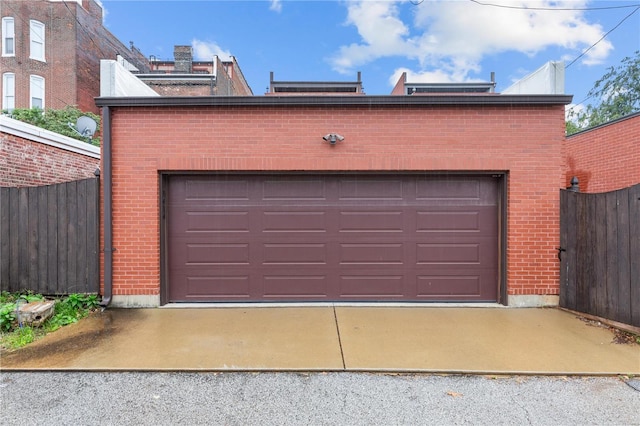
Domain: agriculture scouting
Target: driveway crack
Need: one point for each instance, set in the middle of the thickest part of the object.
(335, 317)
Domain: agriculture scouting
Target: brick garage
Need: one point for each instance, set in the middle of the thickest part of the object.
(517, 139)
(606, 157)
(31, 156)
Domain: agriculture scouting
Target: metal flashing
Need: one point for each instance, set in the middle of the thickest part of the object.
(345, 101)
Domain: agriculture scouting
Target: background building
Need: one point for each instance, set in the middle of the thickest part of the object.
(185, 77)
(51, 53)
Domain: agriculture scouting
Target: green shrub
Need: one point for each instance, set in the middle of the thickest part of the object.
(67, 310)
(56, 120)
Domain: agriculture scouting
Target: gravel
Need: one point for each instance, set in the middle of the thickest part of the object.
(131, 398)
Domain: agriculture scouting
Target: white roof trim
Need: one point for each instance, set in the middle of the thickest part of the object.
(47, 137)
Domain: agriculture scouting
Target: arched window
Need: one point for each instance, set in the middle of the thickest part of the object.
(36, 87)
(37, 40)
(8, 37)
(8, 91)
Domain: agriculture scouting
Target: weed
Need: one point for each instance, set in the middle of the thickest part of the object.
(68, 310)
(7, 316)
(22, 336)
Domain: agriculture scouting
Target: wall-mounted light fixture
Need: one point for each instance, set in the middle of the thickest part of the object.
(332, 138)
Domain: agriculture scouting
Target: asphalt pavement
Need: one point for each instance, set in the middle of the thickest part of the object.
(139, 398)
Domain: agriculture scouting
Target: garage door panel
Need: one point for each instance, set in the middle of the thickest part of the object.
(294, 254)
(371, 221)
(372, 254)
(217, 254)
(476, 252)
(333, 237)
(370, 189)
(294, 190)
(367, 286)
(197, 188)
(224, 286)
(447, 189)
(295, 287)
(294, 221)
(208, 221)
(445, 286)
(457, 191)
(463, 219)
(236, 221)
(448, 253)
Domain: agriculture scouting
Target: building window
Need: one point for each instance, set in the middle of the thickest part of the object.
(37, 92)
(8, 37)
(37, 40)
(8, 91)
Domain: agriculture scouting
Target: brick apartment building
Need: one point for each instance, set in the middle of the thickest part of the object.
(185, 77)
(51, 53)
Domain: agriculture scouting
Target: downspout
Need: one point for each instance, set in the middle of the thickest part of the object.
(108, 208)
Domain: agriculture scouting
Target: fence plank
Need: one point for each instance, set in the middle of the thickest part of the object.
(600, 306)
(52, 240)
(5, 252)
(14, 252)
(63, 238)
(591, 259)
(42, 214)
(23, 229)
(583, 271)
(32, 238)
(569, 257)
(634, 253)
(611, 263)
(93, 236)
(562, 255)
(622, 254)
(81, 245)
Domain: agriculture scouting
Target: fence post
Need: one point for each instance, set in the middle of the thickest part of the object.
(575, 184)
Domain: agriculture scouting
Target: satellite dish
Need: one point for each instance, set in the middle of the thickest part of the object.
(85, 126)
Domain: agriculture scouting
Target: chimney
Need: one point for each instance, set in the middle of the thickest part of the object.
(183, 56)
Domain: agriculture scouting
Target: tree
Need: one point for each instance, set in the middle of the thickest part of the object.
(56, 120)
(617, 93)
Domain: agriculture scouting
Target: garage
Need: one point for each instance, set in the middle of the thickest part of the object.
(332, 237)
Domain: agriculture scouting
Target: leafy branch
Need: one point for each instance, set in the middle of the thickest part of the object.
(55, 120)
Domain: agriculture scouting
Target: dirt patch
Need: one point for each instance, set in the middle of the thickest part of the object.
(620, 337)
(64, 345)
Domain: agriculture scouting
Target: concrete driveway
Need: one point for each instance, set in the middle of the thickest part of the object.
(333, 338)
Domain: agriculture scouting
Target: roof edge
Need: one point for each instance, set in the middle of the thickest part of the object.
(323, 100)
(608, 123)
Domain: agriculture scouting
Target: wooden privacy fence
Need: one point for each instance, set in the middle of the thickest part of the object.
(49, 238)
(600, 254)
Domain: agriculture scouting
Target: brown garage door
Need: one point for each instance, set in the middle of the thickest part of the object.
(334, 237)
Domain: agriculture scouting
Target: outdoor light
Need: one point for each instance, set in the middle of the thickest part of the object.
(332, 138)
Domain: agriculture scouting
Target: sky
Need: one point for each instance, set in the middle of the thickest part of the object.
(431, 40)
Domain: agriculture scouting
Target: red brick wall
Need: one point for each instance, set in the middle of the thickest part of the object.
(605, 158)
(525, 141)
(27, 163)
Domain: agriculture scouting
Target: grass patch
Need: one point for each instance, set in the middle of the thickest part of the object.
(68, 310)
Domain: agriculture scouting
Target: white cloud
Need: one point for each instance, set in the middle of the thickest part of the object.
(205, 50)
(572, 110)
(451, 37)
(435, 76)
(276, 5)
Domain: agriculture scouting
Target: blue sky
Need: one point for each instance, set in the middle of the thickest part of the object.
(432, 40)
